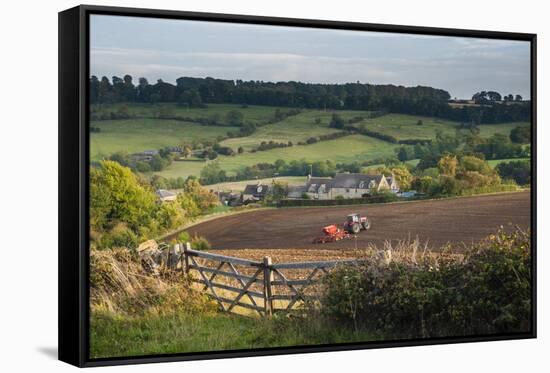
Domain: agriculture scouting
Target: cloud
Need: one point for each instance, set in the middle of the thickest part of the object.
(167, 50)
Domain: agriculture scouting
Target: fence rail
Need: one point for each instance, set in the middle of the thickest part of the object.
(261, 286)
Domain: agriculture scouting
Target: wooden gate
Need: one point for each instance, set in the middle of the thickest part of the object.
(263, 287)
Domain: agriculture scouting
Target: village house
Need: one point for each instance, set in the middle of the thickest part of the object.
(254, 193)
(166, 195)
(344, 185)
(144, 156)
(229, 198)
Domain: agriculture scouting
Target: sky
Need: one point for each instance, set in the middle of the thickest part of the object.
(169, 49)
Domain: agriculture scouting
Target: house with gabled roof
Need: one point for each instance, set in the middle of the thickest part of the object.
(318, 187)
(166, 195)
(343, 185)
(254, 192)
(357, 185)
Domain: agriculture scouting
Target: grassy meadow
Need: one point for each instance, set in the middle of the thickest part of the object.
(135, 135)
(144, 132)
(255, 114)
(403, 127)
(345, 149)
(295, 128)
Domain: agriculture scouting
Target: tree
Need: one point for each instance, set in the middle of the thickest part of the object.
(405, 153)
(234, 118)
(116, 195)
(186, 151)
(240, 150)
(519, 98)
(447, 165)
(212, 173)
(157, 163)
(519, 171)
(521, 135)
(403, 177)
(336, 121)
(279, 190)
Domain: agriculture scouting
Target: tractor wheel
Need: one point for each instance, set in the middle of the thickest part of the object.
(366, 225)
(356, 228)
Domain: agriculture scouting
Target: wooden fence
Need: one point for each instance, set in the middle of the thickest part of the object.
(261, 286)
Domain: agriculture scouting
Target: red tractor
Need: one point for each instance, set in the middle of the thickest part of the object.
(355, 223)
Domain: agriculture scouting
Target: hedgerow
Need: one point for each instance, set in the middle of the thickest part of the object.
(487, 290)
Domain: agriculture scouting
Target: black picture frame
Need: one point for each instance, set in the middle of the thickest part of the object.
(73, 180)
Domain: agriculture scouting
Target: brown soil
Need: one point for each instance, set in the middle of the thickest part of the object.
(438, 222)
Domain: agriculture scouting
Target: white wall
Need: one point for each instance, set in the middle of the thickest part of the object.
(28, 139)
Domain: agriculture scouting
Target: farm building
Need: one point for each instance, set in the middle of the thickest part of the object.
(229, 198)
(343, 185)
(144, 156)
(166, 195)
(253, 193)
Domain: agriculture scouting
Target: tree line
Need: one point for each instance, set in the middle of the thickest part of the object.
(198, 92)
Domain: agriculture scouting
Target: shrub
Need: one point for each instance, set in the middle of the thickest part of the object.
(120, 236)
(486, 291)
(184, 237)
(519, 171)
(200, 243)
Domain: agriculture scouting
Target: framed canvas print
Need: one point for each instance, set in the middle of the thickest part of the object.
(237, 186)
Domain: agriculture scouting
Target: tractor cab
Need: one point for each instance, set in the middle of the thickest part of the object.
(355, 223)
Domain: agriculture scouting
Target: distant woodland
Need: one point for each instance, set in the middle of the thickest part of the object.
(488, 107)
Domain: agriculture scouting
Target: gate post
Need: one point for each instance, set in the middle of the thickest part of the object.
(185, 258)
(268, 279)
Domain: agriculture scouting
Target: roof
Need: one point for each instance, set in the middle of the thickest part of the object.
(318, 184)
(150, 152)
(256, 189)
(163, 193)
(358, 181)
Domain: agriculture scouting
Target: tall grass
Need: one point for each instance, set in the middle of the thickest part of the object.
(134, 312)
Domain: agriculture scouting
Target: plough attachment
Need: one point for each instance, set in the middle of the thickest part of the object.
(331, 234)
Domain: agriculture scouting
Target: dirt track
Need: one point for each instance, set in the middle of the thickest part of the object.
(458, 220)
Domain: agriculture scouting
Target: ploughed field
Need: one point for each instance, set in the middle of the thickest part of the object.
(438, 222)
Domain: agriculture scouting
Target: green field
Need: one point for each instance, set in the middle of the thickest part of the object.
(145, 133)
(295, 128)
(135, 135)
(255, 114)
(487, 130)
(346, 149)
(404, 127)
(494, 162)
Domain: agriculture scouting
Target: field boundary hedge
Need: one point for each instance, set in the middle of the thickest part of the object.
(336, 202)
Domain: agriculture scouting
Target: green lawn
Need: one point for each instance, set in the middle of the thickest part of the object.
(345, 149)
(115, 336)
(134, 135)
